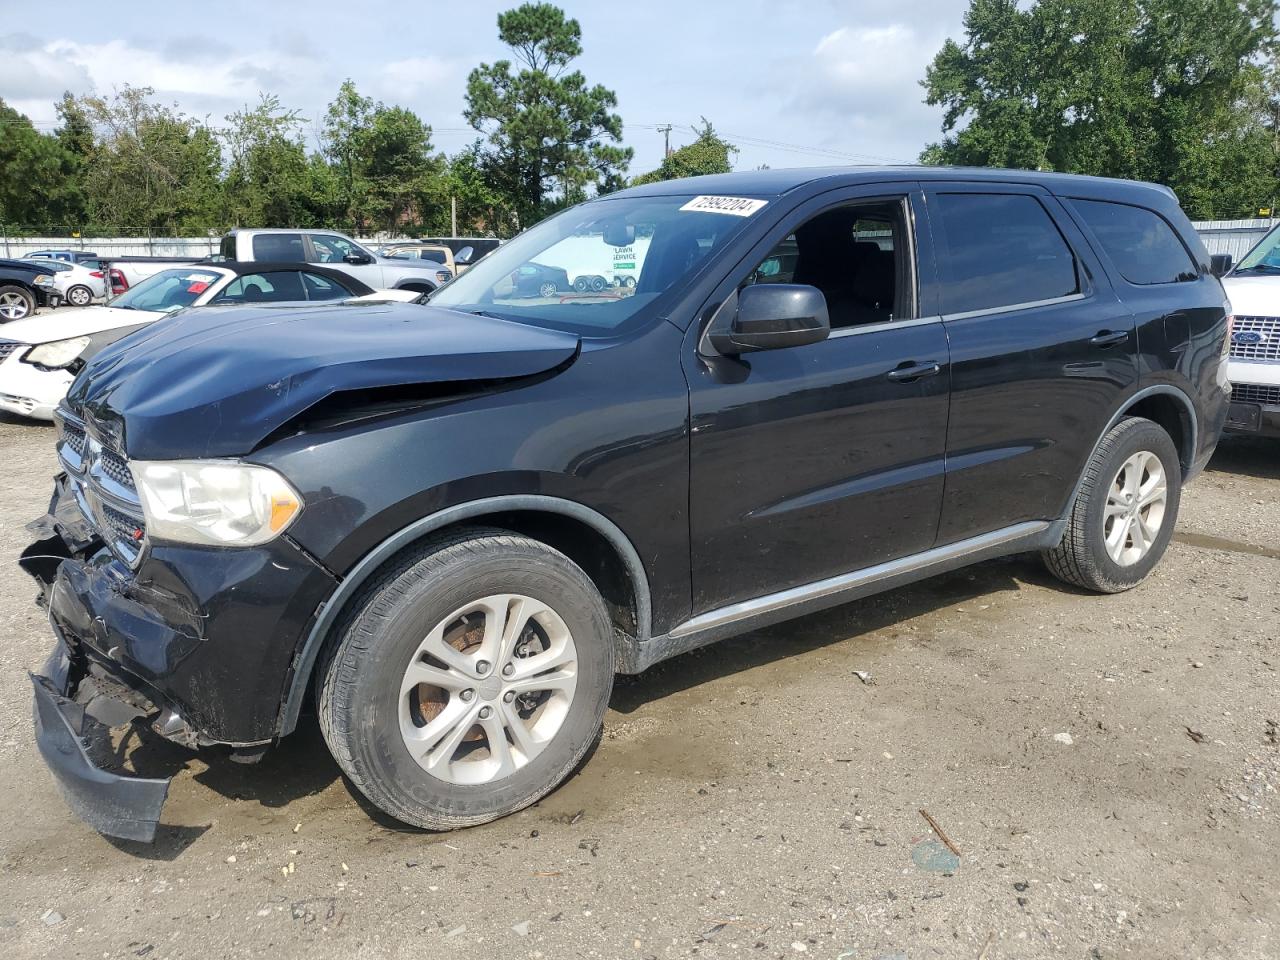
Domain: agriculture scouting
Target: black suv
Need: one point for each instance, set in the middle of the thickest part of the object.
(447, 526)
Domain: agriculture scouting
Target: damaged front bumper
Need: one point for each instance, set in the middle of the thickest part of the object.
(69, 736)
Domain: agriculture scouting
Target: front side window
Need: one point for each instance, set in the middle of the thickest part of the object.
(1140, 243)
(282, 287)
(332, 249)
(594, 269)
(278, 247)
(168, 290)
(1000, 250)
(853, 254)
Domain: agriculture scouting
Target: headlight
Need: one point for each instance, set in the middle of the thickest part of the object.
(220, 503)
(44, 280)
(444, 276)
(58, 354)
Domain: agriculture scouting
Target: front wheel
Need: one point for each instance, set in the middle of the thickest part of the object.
(469, 680)
(1125, 511)
(80, 296)
(15, 303)
(548, 289)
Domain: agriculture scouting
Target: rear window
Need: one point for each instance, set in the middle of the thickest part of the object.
(1140, 243)
(1000, 250)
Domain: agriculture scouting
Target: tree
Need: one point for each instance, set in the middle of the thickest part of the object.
(154, 170)
(265, 182)
(707, 154)
(550, 137)
(1164, 90)
(39, 183)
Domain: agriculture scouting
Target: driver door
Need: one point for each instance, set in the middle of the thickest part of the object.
(807, 462)
(332, 251)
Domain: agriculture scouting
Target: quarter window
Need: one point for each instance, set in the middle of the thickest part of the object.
(1140, 243)
(1000, 249)
(322, 288)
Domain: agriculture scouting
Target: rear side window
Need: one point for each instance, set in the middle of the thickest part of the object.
(278, 247)
(1140, 243)
(1000, 249)
(322, 288)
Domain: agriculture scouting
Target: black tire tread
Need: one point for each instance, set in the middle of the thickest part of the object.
(1073, 560)
(357, 636)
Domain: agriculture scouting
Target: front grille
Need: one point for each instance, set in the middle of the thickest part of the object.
(102, 484)
(1255, 393)
(8, 347)
(1256, 338)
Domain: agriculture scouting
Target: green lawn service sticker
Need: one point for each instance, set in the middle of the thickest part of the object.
(734, 206)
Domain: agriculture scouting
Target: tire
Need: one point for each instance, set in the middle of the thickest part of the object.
(581, 284)
(79, 296)
(597, 284)
(16, 303)
(364, 708)
(548, 289)
(1100, 550)
(629, 282)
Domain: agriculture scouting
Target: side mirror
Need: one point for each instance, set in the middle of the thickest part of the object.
(1220, 264)
(618, 234)
(770, 316)
(357, 259)
(464, 256)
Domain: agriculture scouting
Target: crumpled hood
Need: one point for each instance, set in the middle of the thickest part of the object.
(215, 382)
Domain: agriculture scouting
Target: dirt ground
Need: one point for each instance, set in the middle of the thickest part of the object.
(1106, 766)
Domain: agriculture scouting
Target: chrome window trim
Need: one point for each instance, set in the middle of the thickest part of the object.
(1015, 307)
(882, 326)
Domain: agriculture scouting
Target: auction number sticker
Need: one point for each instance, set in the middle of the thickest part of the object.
(734, 206)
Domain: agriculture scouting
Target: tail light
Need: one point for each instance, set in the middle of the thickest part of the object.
(118, 282)
(96, 274)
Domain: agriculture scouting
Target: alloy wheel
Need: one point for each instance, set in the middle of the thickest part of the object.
(13, 306)
(488, 689)
(1135, 508)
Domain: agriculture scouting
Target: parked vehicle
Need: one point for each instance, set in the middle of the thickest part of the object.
(128, 272)
(338, 252)
(481, 247)
(39, 357)
(539, 280)
(78, 283)
(23, 287)
(1254, 290)
(425, 251)
(449, 525)
(68, 256)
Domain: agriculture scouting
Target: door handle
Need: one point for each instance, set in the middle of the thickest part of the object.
(914, 370)
(1109, 338)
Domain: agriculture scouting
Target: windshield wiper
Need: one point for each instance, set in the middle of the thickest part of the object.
(1260, 268)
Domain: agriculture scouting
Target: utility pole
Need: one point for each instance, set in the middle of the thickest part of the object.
(453, 216)
(665, 130)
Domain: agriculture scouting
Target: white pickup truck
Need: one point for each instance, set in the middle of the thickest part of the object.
(1253, 288)
(329, 248)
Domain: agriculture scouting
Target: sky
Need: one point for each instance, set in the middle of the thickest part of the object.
(791, 82)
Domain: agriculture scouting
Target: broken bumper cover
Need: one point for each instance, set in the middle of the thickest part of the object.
(111, 803)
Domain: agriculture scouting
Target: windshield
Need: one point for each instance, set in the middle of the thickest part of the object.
(592, 268)
(1265, 257)
(167, 290)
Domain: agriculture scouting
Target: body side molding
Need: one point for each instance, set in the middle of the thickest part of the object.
(304, 662)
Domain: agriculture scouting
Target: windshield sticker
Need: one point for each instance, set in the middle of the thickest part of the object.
(734, 206)
(205, 278)
(198, 287)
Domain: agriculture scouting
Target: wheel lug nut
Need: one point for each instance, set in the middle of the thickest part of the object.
(508, 696)
(509, 669)
(482, 667)
(485, 712)
(468, 695)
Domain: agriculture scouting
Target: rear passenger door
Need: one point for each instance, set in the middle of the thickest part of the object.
(1042, 353)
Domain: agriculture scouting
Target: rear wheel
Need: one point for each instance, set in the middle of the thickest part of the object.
(581, 284)
(469, 680)
(16, 303)
(597, 284)
(548, 289)
(80, 296)
(1125, 512)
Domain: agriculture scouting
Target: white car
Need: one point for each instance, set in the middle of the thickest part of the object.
(1253, 288)
(40, 356)
(78, 284)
